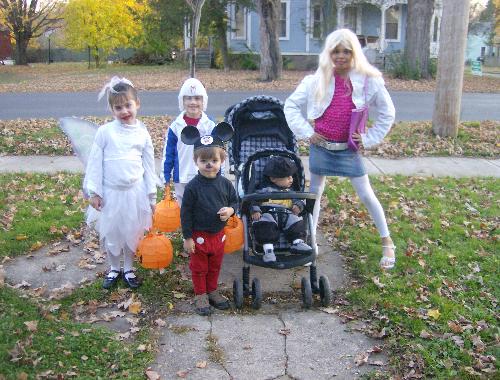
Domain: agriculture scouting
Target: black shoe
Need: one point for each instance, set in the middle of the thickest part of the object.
(109, 281)
(132, 282)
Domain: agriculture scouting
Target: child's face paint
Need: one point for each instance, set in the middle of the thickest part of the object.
(209, 167)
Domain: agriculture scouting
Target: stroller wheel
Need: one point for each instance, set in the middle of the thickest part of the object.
(306, 293)
(256, 294)
(238, 293)
(325, 293)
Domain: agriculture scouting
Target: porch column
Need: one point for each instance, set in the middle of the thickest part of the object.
(340, 16)
(381, 39)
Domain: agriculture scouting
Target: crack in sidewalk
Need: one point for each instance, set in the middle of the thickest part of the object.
(216, 353)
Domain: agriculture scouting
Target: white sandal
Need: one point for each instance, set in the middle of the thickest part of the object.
(387, 262)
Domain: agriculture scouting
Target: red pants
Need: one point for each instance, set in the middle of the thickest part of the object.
(206, 261)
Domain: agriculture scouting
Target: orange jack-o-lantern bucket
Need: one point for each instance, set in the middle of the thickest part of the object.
(234, 235)
(155, 251)
(167, 217)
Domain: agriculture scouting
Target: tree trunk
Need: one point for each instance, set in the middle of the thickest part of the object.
(271, 62)
(21, 48)
(193, 49)
(222, 38)
(450, 73)
(418, 36)
(196, 6)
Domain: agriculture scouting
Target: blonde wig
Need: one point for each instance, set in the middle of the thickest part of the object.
(359, 63)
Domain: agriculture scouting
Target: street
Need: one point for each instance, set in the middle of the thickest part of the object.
(409, 105)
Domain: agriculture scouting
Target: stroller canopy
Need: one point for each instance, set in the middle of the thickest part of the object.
(259, 123)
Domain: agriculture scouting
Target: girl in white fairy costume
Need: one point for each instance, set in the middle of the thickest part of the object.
(120, 181)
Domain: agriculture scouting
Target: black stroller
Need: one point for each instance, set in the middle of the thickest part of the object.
(261, 132)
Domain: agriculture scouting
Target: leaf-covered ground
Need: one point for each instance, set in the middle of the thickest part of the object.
(406, 139)
(438, 309)
(73, 77)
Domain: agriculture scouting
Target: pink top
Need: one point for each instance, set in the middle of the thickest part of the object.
(334, 123)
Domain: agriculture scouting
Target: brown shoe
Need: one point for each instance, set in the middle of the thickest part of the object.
(217, 300)
(201, 305)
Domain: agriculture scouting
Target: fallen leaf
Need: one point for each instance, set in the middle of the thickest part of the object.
(455, 327)
(329, 310)
(361, 359)
(179, 295)
(425, 335)
(377, 282)
(284, 331)
(141, 347)
(434, 313)
(135, 307)
(84, 357)
(201, 364)
(21, 237)
(22, 376)
(152, 375)
(2, 276)
(31, 325)
(160, 322)
(378, 363)
(182, 373)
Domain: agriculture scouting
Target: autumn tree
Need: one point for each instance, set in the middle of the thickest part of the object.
(271, 62)
(452, 43)
(418, 38)
(27, 20)
(163, 27)
(102, 25)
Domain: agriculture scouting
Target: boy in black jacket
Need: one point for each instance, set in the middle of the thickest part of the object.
(209, 200)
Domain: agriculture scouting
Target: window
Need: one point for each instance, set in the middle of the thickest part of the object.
(351, 18)
(284, 19)
(239, 23)
(317, 21)
(392, 19)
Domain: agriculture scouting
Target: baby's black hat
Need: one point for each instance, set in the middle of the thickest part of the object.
(221, 133)
(279, 167)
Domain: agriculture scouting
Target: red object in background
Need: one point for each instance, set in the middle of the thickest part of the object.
(5, 45)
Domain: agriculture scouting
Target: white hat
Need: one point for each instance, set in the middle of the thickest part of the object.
(192, 87)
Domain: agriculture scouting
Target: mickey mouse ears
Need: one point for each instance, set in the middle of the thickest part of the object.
(221, 133)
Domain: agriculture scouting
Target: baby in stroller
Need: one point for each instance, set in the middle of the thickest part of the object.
(278, 177)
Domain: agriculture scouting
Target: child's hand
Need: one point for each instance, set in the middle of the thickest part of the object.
(256, 216)
(189, 245)
(96, 202)
(225, 213)
(296, 209)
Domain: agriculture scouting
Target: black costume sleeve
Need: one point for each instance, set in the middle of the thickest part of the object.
(187, 212)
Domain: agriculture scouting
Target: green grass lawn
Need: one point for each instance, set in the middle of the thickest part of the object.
(437, 309)
(439, 306)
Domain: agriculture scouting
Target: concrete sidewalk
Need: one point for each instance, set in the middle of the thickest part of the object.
(418, 166)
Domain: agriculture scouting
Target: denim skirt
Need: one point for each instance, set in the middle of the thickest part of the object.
(344, 163)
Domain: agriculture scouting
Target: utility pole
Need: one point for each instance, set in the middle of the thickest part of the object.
(450, 72)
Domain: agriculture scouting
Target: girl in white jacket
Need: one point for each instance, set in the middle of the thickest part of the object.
(343, 82)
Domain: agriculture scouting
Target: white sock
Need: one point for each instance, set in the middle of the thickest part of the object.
(114, 262)
(369, 199)
(267, 247)
(317, 186)
(128, 262)
(297, 241)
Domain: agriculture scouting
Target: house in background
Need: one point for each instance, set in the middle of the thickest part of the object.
(379, 24)
(5, 44)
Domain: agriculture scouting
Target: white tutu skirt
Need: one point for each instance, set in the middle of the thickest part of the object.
(124, 217)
